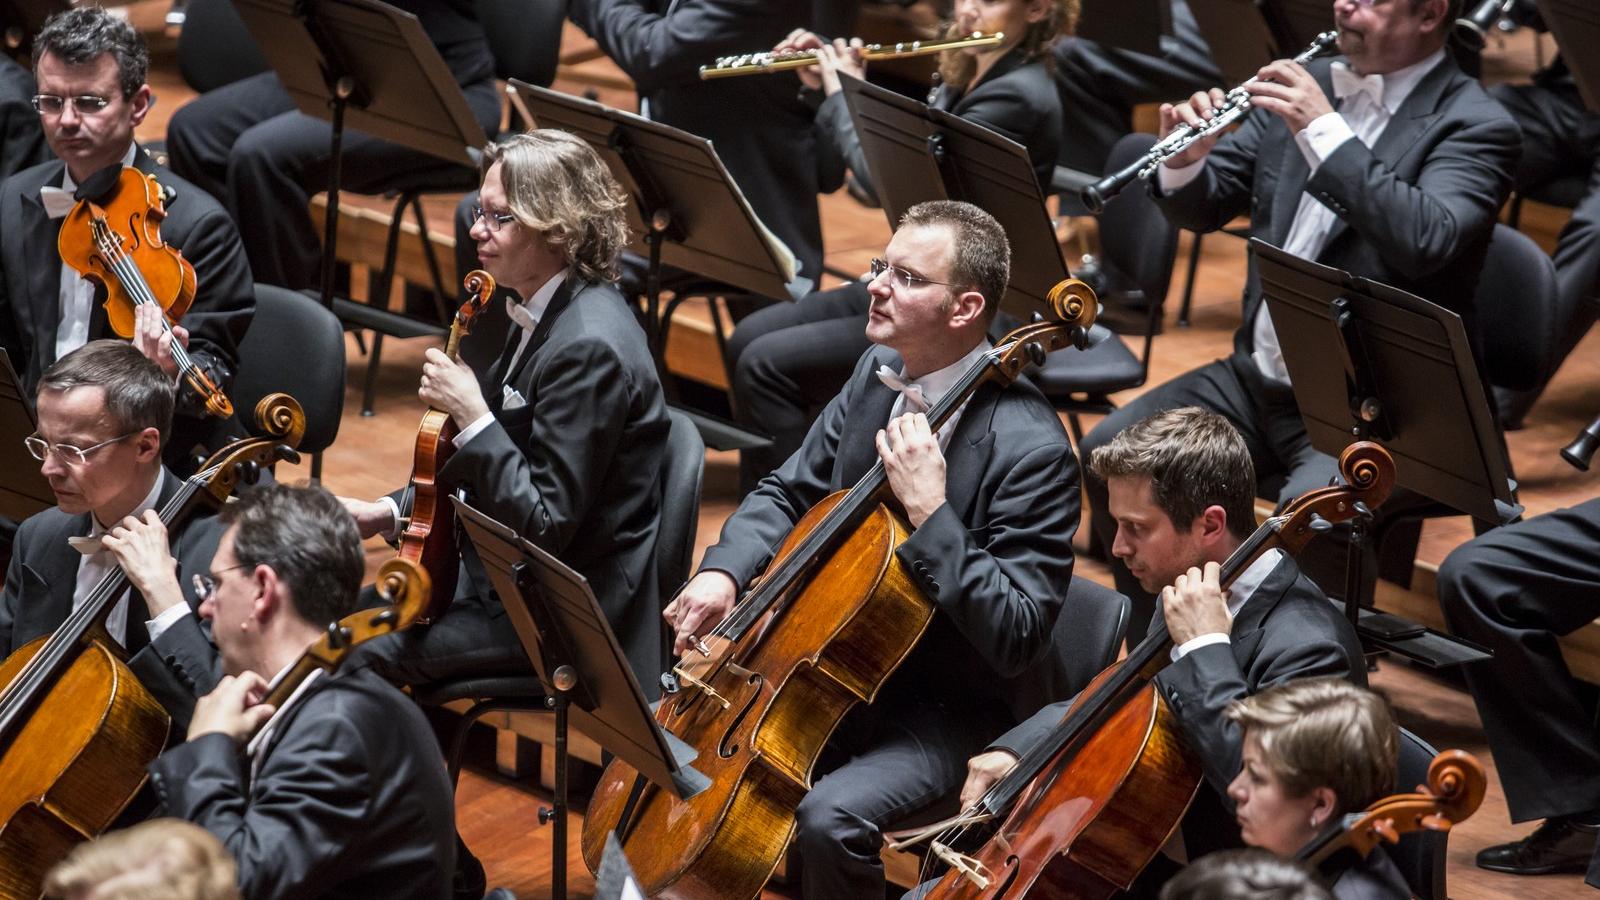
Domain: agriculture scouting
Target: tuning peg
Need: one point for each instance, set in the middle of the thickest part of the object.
(388, 617)
(336, 636)
(1080, 337)
(249, 471)
(1363, 510)
(1037, 317)
(1035, 353)
(1320, 525)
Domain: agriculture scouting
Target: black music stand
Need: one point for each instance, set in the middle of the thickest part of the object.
(687, 212)
(1135, 25)
(23, 488)
(1369, 361)
(917, 153)
(1576, 26)
(581, 666)
(373, 63)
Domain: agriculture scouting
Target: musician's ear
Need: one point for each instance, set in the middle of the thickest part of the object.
(148, 444)
(966, 308)
(1212, 524)
(139, 104)
(1037, 10)
(1325, 804)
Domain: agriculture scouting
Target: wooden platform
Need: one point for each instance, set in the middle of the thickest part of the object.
(497, 817)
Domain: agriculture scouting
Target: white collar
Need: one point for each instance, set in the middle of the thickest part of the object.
(68, 185)
(937, 383)
(265, 734)
(536, 305)
(148, 503)
(1399, 84)
(1248, 581)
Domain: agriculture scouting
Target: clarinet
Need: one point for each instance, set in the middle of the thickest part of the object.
(1182, 137)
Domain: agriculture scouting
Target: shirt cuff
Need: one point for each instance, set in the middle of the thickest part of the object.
(473, 430)
(1324, 135)
(392, 533)
(1195, 643)
(168, 617)
(1171, 179)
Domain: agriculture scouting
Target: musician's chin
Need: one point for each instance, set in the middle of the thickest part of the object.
(1351, 42)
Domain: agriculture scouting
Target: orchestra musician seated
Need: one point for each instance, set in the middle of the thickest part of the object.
(1182, 494)
(563, 438)
(789, 359)
(1244, 874)
(1389, 163)
(105, 411)
(341, 793)
(1316, 750)
(91, 68)
(992, 501)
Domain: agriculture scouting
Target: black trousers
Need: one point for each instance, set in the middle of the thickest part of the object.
(1286, 464)
(886, 762)
(247, 145)
(1561, 139)
(788, 360)
(1516, 590)
(473, 638)
(1101, 85)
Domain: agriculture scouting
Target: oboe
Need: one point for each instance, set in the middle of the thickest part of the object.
(1232, 110)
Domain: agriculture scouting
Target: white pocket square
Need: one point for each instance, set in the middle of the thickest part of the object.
(511, 398)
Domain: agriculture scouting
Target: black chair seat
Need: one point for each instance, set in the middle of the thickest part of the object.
(1564, 192)
(1107, 366)
(457, 179)
(501, 688)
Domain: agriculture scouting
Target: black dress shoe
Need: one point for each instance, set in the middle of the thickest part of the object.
(469, 881)
(1557, 846)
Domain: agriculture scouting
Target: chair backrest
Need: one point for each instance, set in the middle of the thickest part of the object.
(1517, 328)
(524, 37)
(1420, 855)
(1087, 637)
(214, 47)
(680, 503)
(294, 345)
(1138, 246)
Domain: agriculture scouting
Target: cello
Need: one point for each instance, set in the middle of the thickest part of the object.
(1086, 810)
(135, 268)
(77, 729)
(429, 538)
(831, 619)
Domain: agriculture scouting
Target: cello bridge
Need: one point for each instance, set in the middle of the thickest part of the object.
(969, 867)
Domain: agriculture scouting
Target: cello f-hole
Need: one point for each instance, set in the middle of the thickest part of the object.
(725, 748)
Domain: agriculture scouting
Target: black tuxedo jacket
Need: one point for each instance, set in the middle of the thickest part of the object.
(1287, 629)
(1414, 211)
(996, 559)
(1017, 99)
(30, 275)
(21, 139)
(576, 468)
(179, 666)
(761, 129)
(350, 800)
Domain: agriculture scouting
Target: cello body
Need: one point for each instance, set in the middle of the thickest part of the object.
(839, 639)
(86, 747)
(1089, 827)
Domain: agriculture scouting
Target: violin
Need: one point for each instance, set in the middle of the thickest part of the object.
(1455, 788)
(403, 585)
(1086, 810)
(429, 538)
(77, 729)
(134, 266)
(830, 620)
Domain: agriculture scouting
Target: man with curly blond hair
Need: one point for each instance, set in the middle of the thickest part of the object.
(562, 438)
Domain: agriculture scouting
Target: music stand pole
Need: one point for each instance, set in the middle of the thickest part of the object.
(343, 87)
(563, 680)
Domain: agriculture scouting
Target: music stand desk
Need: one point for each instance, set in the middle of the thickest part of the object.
(1576, 26)
(23, 488)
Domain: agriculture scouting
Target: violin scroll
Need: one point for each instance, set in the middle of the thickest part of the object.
(280, 416)
(1075, 304)
(1368, 472)
(1456, 778)
(481, 285)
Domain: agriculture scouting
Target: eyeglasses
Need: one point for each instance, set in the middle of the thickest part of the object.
(66, 453)
(83, 104)
(205, 586)
(901, 278)
(493, 220)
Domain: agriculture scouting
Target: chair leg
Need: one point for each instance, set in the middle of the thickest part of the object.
(316, 468)
(1514, 214)
(1188, 286)
(371, 381)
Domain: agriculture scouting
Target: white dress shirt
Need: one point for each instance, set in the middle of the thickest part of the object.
(257, 747)
(93, 567)
(1237, 595)
(76, 293)
(1359, 115)
(935, 385)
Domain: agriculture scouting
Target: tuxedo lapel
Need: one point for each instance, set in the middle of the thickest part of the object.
(858, 439)
(563, 298)
(43, 260)
(967, 457)
(1261, 603)
(50, 576)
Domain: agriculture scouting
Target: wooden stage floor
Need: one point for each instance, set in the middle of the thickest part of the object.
(372, 456)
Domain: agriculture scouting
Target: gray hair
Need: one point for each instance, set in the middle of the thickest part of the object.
(138, 394)
(308, 538)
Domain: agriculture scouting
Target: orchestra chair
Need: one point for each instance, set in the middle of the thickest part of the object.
(1087, 638)
(294, 345)
(525, 40)
(1517, 342)
(1138, 248)
(680, 518)
(1420, 855)
(1564, 191)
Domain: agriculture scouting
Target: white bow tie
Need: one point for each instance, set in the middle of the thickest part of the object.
(910, 390)
(88, 544)
(520, 316)
(57, 201)
(1348, 84)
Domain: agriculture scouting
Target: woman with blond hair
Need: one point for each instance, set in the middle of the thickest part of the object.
(162, 859)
